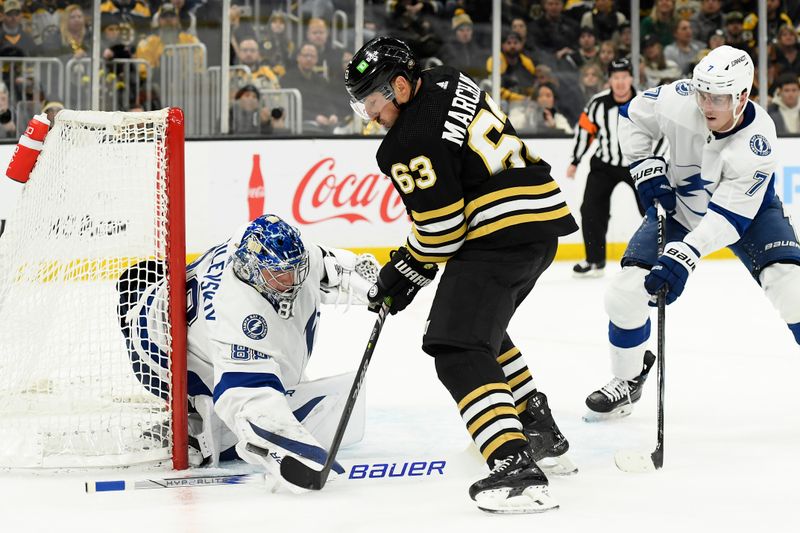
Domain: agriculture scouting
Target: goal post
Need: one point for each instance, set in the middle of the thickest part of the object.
(106, 198)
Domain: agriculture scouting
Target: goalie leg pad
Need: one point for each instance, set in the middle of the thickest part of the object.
(781, 284)
(626, 302)
(319, 404)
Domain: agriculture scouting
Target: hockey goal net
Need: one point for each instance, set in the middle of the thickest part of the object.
(106, 194)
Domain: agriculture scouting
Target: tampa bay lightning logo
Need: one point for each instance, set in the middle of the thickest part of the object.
(255, 327)
(760, 145)
(684, 88)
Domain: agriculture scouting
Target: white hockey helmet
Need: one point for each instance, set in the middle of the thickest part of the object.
(725, 71)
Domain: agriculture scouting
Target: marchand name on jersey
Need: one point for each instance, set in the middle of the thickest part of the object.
(462, 110)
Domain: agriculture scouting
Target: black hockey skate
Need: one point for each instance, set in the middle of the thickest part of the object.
(548, 444)
(515, 485)
(585, 269)
(616, 398)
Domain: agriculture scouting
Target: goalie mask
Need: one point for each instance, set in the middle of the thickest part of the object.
(272, 259)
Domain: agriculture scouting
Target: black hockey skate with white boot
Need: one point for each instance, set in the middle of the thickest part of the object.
(616, 398)
(548, 444)
(585, 269)
(514, 486)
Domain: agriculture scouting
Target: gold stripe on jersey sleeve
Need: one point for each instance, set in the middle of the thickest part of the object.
(436, 213)
(517, 219)
(483, 389)
(490, 415)
(499, 441)
(429, 240)
(532, 190)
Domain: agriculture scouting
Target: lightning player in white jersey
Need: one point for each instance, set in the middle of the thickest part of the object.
(718, 190)
(252, 313)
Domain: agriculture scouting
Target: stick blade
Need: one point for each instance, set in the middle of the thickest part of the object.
(301, 475)
(634, 461)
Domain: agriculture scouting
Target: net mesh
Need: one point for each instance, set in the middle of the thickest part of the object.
(95, 205)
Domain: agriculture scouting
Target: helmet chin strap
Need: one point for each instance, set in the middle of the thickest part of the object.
(736, 116)
(414, 86)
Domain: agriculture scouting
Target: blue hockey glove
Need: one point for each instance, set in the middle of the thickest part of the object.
(399, 280)
(672, 270)
(650, 178)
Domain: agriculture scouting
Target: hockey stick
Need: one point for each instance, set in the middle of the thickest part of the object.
(172, 482)
(629, 461)
(299, 473)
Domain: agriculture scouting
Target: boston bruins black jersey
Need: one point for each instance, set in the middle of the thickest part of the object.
(465, 177)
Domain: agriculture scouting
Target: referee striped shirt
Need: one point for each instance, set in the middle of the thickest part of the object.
(599, 121)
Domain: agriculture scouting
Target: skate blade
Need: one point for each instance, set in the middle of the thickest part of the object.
(620, 412)
(634, 461)
(558, 466)
(591, 274)
(535, 499)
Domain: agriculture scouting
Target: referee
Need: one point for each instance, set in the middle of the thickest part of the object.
(607, 168)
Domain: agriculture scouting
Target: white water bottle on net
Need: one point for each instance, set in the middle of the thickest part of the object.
(106, 195)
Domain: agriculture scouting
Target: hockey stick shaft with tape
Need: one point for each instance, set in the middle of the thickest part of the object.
(299, 473)
(641, 461)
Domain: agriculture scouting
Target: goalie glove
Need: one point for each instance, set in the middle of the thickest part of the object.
(672, 270)
(650, 178)
(348, 277)
(399, 281)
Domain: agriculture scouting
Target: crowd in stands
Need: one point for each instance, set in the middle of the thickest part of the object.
(554, 53)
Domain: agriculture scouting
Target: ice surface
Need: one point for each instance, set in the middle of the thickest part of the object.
(732, 432)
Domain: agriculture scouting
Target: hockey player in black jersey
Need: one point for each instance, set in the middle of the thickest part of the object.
(481, 201)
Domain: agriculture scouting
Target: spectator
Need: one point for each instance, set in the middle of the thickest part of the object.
(519, 25)
(606, 54)
(604, 20)
(134, 12)
(716, 39)
(552, 121)
(517, 71)
(319, 111)
(14, 41)
(239, 30)
(317, 34)
(657, 69)
(587, 49)
(786, 49)
(278, 49)
(785, 107)
(51, 109)
(709, 19)
(555, 33)
(623, 45)
(45, 16)
(661, 22)
(188, 22)
(8, 129)
(684, 49)
(461, 51)
(776, 17)
(734, 32)
(686, 9)
(75, 42)
(411, 21)
(261, 76)
(591, 82)
(248, 117)
(169, 33)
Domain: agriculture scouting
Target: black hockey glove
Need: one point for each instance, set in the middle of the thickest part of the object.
(399, 280)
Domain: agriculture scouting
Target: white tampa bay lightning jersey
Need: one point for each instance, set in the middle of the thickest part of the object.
(240, 352)
(721, 180)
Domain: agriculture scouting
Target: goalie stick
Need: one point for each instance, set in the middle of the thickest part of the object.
(304, 476)
(633, 461)
(172, 482)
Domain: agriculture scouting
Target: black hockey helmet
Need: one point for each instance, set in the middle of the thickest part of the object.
(622, 64)
(375, 65)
